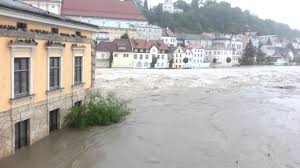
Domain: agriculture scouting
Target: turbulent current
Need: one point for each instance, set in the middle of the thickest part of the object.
(205, 118)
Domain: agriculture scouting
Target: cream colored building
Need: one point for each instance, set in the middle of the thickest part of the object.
(53, 6)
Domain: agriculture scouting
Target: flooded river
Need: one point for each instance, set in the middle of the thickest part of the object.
(206, 118)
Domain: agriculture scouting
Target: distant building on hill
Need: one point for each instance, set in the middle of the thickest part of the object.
(169, 7)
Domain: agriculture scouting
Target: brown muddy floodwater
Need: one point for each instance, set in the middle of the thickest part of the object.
(207, 118)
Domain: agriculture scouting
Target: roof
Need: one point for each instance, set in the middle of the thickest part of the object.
(167, 33)
(185, 36)
(18, 6)
(121, 43)
(114, 9)
(147, 44)
(104, 46)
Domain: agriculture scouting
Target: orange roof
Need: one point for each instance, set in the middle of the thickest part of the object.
(147, 44)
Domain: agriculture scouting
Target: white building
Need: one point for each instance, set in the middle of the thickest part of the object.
(219, 55)
(116, 17)
(149, 32)
(198, 60)
(169, 38)
(145, 51)
(53, 6)
(169, 7)
(103, 54)
(179, 54)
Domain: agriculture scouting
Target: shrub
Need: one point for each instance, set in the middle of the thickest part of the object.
(98, 110)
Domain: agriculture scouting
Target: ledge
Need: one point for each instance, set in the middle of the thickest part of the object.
(55, 90)
(23, 98)
(39, 36)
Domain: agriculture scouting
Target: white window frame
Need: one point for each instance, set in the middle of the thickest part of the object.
(49, 49)
(82, 65)
(14, 48)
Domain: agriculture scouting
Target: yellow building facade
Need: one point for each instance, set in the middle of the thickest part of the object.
(46, 66)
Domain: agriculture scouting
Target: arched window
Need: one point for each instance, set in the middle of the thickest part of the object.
(146, 64)
(139, 65)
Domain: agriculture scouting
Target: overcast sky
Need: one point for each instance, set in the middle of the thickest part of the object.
(287, 11)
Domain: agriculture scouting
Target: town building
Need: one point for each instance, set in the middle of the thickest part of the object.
(178, 55)
(150, 32)
(46, 67)
(266, 38)
(122, 54)
(198, 60)
(147, 50)
(103, 54)
(133, 53)
(219, 55)
(169, 38)
(53, 6)
(116, 17)
(169, 7)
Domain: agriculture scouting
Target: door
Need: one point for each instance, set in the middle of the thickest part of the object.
(53, 120)
(21, 134)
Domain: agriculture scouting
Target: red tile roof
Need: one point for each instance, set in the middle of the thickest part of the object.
(114, 9)
(147, 44)
(121, 45)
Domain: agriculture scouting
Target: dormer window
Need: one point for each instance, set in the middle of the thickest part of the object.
(22, 26)
(121, 48)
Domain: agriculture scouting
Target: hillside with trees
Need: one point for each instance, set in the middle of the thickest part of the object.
(212, 16)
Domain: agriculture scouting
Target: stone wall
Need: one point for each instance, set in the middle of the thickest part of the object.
(38, 115)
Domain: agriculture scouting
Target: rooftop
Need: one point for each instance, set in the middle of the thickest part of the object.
(147, 44)
(113, 9)
(19, 7)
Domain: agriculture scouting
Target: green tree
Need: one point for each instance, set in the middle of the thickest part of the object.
(146, 5)
(171, 62)
(185, 60)
(228, 60)
(180, 4)
(125, 36)
(138, 3)
(195, 4)
(249, 54)
(111, 60)
(260, 57)
(214, 60)
(154, 61)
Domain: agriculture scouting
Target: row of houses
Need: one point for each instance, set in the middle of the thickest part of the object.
(137, 53)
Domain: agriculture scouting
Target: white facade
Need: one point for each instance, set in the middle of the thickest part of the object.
(143, 59)
(178, 55)
(148, 32)
(269, 50)
(169, 7)
(198, 57)
(102, 59)
(220, 56)
(170, 41)
(53, 6)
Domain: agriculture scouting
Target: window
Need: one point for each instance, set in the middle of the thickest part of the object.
(125, 55)
(78, 33)
(135, 56)
(162, 57)
(78, 70)
(54, 30)
(78, 103)
(22, 26)
(147, 56)
(21, 77)
(158, 56)
(141, 56)
(54, 69)
(115, 55)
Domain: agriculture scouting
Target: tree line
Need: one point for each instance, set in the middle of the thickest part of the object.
(212, 16)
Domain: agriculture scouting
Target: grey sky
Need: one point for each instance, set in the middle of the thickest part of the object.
(286, 11)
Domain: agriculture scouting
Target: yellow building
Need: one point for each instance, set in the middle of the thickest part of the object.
(45, 68)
